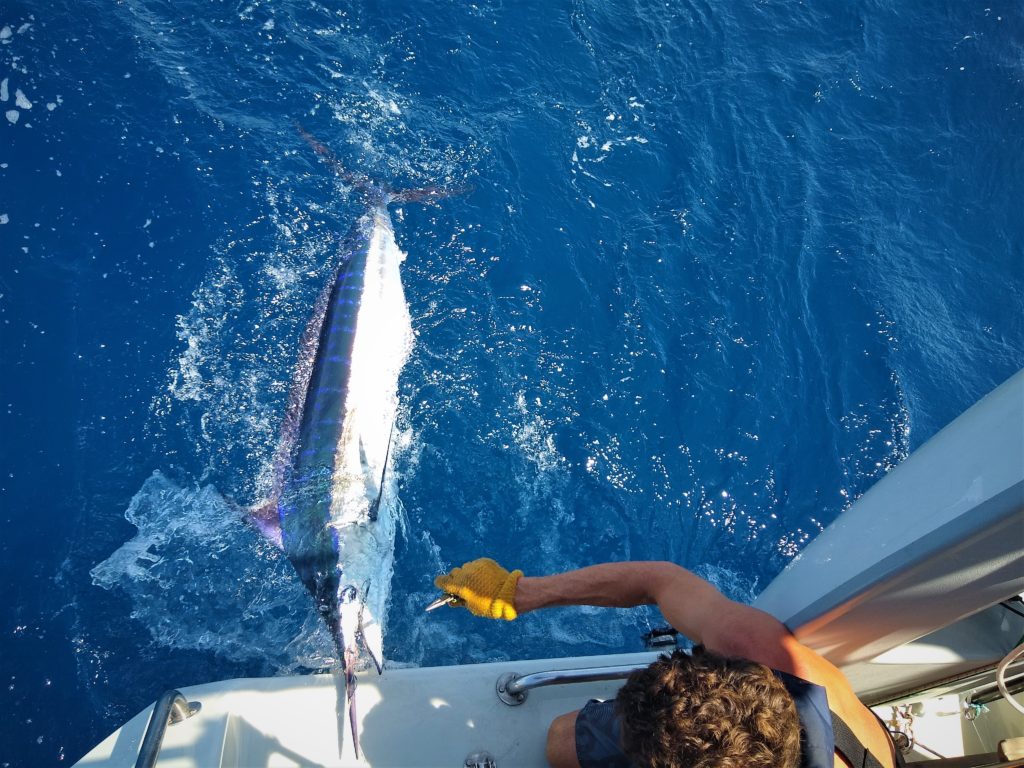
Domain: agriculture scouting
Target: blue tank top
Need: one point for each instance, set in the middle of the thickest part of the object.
(817, 739)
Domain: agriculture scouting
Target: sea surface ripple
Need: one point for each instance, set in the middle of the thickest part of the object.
(714, 271)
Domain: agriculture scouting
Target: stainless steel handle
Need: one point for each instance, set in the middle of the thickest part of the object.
(172, 707)
(512, 688)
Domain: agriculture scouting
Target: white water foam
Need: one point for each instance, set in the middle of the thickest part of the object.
(228, 385)
(198, 578)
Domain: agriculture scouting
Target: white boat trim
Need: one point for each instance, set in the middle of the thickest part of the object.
(409, 718)
(936, 541)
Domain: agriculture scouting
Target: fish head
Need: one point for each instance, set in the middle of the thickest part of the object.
(360, 631)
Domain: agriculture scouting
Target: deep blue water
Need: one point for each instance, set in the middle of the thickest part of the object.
(719, 268)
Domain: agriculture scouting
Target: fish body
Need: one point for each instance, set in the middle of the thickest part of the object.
(332, 509)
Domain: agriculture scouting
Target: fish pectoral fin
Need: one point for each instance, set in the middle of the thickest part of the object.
(265, 519)
(370, 635)
(375, 506)
(369, 486)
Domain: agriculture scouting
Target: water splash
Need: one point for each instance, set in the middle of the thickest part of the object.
(199, 579)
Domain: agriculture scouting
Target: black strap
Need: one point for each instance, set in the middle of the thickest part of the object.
(856, 754)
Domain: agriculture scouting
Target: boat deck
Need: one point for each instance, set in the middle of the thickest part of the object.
(409, 718)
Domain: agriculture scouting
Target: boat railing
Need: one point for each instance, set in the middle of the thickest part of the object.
(513, 688)
(171, 708)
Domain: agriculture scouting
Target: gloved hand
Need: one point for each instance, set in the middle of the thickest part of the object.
(485, 587)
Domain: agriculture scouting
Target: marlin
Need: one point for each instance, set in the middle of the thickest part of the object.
(332, 508)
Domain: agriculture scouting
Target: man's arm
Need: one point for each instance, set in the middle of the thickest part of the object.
(702, 613)
(689, 603)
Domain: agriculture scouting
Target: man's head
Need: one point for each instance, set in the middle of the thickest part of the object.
(706, 711)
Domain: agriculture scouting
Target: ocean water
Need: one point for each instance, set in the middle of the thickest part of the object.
(714, 271)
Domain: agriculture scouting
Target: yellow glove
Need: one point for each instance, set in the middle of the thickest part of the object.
(485, 587)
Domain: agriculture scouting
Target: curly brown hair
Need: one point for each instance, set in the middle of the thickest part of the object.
(707, 711)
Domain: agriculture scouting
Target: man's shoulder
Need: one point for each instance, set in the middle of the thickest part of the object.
(757, 636)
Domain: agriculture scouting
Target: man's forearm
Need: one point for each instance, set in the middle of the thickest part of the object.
(612, 585)
(689, 603)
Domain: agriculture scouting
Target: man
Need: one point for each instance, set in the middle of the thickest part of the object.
(751, 696)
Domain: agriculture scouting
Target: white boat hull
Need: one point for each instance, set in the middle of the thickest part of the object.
(408, 718)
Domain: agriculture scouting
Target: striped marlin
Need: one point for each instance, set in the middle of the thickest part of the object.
(332, 508)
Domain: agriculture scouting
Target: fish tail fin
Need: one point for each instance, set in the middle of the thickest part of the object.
(360, 181)
(377, 191)
(429, 195)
